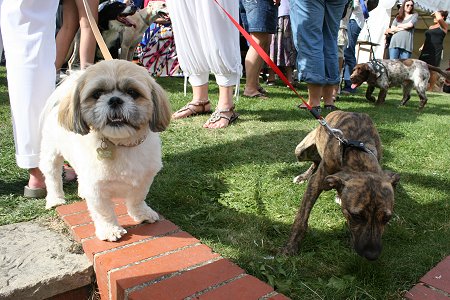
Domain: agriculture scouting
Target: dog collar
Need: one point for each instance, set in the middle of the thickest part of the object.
(358, 145)
(106, 149)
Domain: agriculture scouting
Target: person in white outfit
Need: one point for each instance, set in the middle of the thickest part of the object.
(28, 32)
(207, 42)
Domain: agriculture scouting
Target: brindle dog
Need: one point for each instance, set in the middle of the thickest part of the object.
(364, 190)
(386, 73)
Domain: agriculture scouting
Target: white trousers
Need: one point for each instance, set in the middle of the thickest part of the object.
(28, 31)
(206, 40)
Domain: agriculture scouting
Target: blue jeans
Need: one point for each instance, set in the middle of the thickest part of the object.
(398, 53)
(258, 15)
(353, 31)
(315, 25)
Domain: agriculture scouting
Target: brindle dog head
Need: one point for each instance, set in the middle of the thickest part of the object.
(367, 201)
(360, 74)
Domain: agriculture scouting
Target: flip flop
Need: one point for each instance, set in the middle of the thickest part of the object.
(34, 192)
(259, 95)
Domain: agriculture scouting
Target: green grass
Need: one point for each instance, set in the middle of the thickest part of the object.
(233, 190)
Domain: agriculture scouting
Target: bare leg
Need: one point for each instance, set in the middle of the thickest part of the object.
(199, 101)
(328, 93)
(315, 92)
(225, 103)
(254, 62)
(67, 32)
(87, 38)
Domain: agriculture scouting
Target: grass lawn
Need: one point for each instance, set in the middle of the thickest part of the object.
(233, 190)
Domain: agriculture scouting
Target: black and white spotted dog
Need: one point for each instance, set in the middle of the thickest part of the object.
(386, 73)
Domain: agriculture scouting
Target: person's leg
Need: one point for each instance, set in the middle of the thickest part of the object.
(349, 52)
(29, 25)
(394, 53)
(254, 63)
(261, 20)
(88, 43)
(225, 107)
(66, 34)
(315, 92)
(403, 54)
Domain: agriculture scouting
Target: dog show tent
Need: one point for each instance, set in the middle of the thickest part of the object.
(381, 18)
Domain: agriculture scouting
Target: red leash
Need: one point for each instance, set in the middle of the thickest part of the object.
(269, 62)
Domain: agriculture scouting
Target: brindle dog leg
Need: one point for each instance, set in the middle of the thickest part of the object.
(307, 174)
(369, 93)
(301, 220)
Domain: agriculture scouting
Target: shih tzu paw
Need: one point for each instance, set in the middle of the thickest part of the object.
(144, 214)
(109, 232)
(51, 202)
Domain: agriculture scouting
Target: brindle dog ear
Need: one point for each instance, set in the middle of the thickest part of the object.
(394, 178)
(335, 181)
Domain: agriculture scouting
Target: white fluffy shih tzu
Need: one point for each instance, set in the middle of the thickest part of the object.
(105, 121)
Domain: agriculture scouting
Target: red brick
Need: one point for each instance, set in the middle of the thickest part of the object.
(421, 292)
(77, 219)
(85, 218)
(439, 276)
(122, 257)
(134, 234)
(71, 208)
(146, 271)
(247, 287)
(189, 283)
(88, 230)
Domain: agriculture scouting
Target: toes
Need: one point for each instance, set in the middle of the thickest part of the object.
(110, 233)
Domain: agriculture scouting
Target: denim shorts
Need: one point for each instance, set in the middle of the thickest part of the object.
(315, 25)
(258, 15)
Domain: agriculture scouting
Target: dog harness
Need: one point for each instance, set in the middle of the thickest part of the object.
(378, 67)
(358, 145)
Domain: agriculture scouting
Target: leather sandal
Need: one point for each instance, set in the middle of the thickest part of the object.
(219, 114)
(190, 107)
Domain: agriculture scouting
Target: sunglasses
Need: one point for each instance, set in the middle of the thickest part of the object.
(409, 5)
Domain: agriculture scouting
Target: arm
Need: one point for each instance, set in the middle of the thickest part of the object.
(441, 21)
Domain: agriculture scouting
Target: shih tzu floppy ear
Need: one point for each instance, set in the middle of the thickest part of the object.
(69, 115)
(161, 109)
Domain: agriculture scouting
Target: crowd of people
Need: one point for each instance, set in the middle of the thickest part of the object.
(298, 34)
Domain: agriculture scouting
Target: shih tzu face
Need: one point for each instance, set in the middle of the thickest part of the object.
(118, 99)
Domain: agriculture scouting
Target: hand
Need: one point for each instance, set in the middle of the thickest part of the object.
(277, 2)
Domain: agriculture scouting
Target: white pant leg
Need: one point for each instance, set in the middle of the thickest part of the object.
(28, 30)
(206, 40)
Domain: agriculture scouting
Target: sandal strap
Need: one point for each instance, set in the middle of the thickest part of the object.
(201, 103)
(231, 109)
(218, 114)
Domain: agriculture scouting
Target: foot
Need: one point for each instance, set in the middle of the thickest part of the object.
(195, 107)
(221, 118)
(68, 174)
(36, 180)
(258, 92)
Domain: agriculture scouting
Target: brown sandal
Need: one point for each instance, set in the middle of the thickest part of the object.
(190, 106)
(219, 114)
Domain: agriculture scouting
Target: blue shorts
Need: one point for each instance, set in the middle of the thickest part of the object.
(258, 15)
